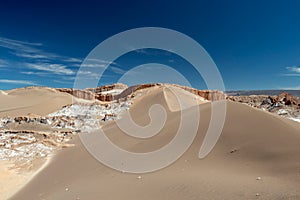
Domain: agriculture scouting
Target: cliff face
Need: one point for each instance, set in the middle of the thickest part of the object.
(102, 93)
(211, 95)
(106, 88)
(119, 91)
(82, 94)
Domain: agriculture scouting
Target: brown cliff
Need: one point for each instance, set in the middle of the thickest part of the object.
(102, 93)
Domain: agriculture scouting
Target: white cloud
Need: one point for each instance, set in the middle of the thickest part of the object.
(92, 65)
(34, 51)
(39, 59)
(96, 63)
(87, 74)
(21, 82)
(73, 60)
(117, 70)
(97, 60)
(18, 42)
(294, 69)
(52, 68)
(17, 45)
(35, 73)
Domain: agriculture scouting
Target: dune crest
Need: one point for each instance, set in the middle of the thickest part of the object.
(257, 153)
(2, 93)
(37, 100)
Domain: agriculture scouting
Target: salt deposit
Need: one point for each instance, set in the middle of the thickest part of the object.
(296, 119)
(21, 147)
(24, 146)
(88, 117)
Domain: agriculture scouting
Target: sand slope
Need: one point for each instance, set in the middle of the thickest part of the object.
(36, 100)
(253, 144)
(10, 180)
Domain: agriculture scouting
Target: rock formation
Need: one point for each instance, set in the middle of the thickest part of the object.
(102, 93)
(284, 104)
(211, 95)
(120, 91)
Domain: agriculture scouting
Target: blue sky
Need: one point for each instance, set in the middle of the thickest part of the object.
(255, 44)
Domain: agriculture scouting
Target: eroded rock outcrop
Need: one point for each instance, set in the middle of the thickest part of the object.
(211, 95)
(102, 93)
(284, 104)
(107, 88)
(82, 94)
(120, 91)
(287, 99)
(283, 99)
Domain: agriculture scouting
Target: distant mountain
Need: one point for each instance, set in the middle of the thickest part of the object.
(262, 92)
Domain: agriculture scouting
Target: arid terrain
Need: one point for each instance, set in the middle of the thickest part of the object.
(42, 157)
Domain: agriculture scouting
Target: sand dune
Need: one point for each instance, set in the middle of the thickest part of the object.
(253, 144)
(2, 93)
(36, 100)
(167, 95)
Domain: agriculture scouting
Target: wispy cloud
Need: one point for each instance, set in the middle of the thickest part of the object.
(92, 65)
(19, 46)
(73, 60)
(34, 52)
(96, 63)
(3, 63)
(117, 70)
(290, 88)
(291, 74)
(21, 82)
(33, 60)
(52, 68)
(293, 71)
(17, 42)
(87, 74)
(35, 73)
(36, 58)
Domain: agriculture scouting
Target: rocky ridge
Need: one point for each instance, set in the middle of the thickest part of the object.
(103, 93)
(120, 91)
(283, 104)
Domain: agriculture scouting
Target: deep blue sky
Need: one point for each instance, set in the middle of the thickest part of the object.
(255, 44)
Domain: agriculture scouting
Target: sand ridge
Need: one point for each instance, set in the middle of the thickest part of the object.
(256, 157)
(37, 100)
